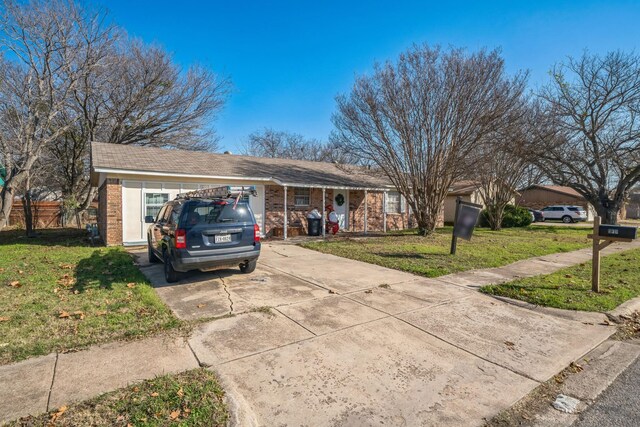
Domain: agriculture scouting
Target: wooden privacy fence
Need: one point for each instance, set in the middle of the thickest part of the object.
(45, 214)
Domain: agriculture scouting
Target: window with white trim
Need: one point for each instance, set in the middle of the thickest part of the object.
(394, 202)
(301, 196)
(153, 202)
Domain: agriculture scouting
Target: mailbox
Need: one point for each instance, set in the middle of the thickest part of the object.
(466, 219)
(617, 231)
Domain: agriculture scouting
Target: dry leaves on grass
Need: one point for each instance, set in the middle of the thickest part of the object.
(131, 285)
(66, 266)
(14, 284)
(174, 414)
(66, 280)
(58, 414)
(155, 394)
(76, 314)
(4, 319)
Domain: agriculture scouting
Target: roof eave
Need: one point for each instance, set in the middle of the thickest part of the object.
(97, 170)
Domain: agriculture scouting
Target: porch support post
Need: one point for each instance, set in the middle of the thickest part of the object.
(365, 211)
(384, 212)
(324, 213)
(286, 214)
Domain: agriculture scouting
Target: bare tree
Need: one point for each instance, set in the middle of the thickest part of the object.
(80, 79)
(35, 86)
(420, 118)
(502, 164)
(140, 96)
(287, 145)
(588, 129)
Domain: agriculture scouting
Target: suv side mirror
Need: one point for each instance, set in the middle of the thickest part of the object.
(148, 219)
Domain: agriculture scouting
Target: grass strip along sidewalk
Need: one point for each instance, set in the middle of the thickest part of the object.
(57, 293)
(192, 398)
(570, 288)
(429, 256)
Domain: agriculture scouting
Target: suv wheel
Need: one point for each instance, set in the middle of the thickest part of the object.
(567, 219)
(153, 258)
(170, 275)
(249, 267)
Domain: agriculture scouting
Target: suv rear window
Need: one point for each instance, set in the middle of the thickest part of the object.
(575, 209)
(215, 212)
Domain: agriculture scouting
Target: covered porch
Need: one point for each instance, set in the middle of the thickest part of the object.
(358, 209)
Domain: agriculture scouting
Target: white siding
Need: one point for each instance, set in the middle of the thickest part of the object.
(134, 229)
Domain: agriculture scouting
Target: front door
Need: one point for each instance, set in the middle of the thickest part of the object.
(341, 207)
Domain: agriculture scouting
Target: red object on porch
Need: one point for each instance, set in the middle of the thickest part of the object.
(332, 225)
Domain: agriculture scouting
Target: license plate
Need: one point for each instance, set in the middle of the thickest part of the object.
(222, 238)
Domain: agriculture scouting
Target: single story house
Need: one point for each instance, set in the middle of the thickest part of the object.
(467, 191)
(135, 181)
(633, 207)
(540, 196)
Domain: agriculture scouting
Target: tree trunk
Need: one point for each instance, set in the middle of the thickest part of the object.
(7, 204)
(28, 214)
(426, 223)
(609, 215)
(608, 210)
(496, 221)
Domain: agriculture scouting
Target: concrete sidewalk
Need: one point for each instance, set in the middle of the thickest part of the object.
(345, 343)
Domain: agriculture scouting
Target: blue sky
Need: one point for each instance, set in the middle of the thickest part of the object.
(288, 59)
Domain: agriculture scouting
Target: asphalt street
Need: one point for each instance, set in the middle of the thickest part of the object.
(618, 405)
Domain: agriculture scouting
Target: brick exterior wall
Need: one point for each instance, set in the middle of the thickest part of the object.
(110, 212)
(297, 215)
(274, 210)
(375, 213)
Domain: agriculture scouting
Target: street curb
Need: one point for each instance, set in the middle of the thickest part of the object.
(598, 369)
(627, 308)
(240, 412)
(594, 317)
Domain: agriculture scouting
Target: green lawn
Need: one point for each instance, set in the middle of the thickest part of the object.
(570, 288)
(57, 293)
(192, 398)
(429, 256)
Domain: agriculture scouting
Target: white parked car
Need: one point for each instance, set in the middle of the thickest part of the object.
(566, 214)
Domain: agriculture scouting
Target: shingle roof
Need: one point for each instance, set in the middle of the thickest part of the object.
(283, 171)
(463, 188)
(559, 189)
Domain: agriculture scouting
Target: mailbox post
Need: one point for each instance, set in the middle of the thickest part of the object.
(466, 218)
(603, 236)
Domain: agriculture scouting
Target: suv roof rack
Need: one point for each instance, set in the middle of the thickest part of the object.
(221, 192)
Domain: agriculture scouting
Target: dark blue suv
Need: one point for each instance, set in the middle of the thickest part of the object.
(194, 233)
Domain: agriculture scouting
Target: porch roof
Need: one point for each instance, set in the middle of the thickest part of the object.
(152, 161)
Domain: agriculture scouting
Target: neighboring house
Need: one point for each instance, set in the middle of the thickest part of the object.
(467, 191)
(633, 207)
(539, 196)
(135, 181)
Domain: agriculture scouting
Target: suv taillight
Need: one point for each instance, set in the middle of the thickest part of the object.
(181, 238)
(256, 233)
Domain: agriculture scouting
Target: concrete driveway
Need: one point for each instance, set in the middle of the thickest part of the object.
(321, 340)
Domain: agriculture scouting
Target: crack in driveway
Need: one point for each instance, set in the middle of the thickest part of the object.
(224, 286)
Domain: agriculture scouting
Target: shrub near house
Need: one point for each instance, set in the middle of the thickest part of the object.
(514, 216)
